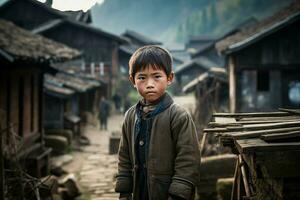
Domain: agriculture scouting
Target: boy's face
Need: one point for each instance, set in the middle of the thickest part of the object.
(151, 83)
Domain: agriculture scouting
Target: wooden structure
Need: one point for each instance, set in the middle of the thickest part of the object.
(69, 94)
(24, 58)
(29, 14)
(100, 49)
(138, 39)
(192, 69)
(268, 149)
(211, 92)
(208, 49)
(263, 63)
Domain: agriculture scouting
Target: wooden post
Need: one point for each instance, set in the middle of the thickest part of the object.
(232, 85)
(244, 176)
(1, 159)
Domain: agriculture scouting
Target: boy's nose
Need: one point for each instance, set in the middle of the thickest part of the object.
(150, 83)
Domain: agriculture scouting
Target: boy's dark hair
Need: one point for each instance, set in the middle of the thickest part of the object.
(150, 55)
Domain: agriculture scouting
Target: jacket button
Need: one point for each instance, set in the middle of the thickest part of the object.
(141, 143)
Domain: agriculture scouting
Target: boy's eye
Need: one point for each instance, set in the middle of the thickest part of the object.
(158, 76)
(141, 78)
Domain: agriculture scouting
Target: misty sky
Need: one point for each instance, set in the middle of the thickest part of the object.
(73, 4)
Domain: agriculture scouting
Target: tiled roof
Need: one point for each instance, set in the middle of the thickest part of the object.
(19, 44)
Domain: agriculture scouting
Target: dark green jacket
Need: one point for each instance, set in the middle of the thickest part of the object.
(173, 159)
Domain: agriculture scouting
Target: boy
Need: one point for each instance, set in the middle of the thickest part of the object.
(159, 157)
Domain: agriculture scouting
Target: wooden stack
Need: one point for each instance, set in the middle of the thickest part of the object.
(268, 149)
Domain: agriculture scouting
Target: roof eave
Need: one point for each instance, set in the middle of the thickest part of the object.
(260, 35)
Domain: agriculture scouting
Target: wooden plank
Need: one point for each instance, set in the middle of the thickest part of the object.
(240, 123)
(265, 126)
(254, 134)
(293, 111)
(281, 136)
(224, 120)
(259, 114)
(257, 145)
(215, 130)
(291, 117)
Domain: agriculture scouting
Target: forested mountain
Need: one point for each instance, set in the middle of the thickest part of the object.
(221, 16)
(176, 20)
(155, 18)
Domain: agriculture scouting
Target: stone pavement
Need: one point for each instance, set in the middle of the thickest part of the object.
(93, 167)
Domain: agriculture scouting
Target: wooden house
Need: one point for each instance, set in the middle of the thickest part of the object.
(192, 69)
(199, 42)
(267, 148)
(29, 14)
(138, 39)
(42, 18)
(263, 62)
(208, 49)
(66, 95)
(24, 57)
(100, 48)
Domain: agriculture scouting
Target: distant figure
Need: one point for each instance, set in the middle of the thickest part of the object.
(117, 101)
(159, 156)
(103, 112)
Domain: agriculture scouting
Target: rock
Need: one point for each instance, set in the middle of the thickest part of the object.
(61, 132)
(58, 144)
(70, 187)
(114, 142)
(83, 140)
(57, 171)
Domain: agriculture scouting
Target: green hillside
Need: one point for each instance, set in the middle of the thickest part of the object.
(221, 16)
(176, 20)
(155, 18)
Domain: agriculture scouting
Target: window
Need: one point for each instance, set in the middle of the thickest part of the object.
(263, 81)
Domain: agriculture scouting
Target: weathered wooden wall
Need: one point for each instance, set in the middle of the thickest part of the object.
(277, 60)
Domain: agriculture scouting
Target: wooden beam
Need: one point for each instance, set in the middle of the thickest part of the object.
(264, 126)
(294, 111)
(257, 145)
(240, 123)
(232, 85)
(258, 114)
(281, 136)
(254, 134)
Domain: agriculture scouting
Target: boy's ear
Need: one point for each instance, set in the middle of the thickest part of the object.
(170, 78)
(132, 80)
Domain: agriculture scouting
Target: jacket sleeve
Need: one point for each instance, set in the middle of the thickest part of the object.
(124, 183)
(187, 160)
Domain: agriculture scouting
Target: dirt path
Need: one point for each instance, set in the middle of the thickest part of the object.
(93, 167)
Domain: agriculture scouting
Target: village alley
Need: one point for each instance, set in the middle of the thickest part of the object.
(93, 167)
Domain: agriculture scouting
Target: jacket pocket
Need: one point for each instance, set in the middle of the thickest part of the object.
(182, 189)
(159, 187)
(124, 185)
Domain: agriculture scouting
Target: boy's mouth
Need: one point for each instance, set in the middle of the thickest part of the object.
(150, 92)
